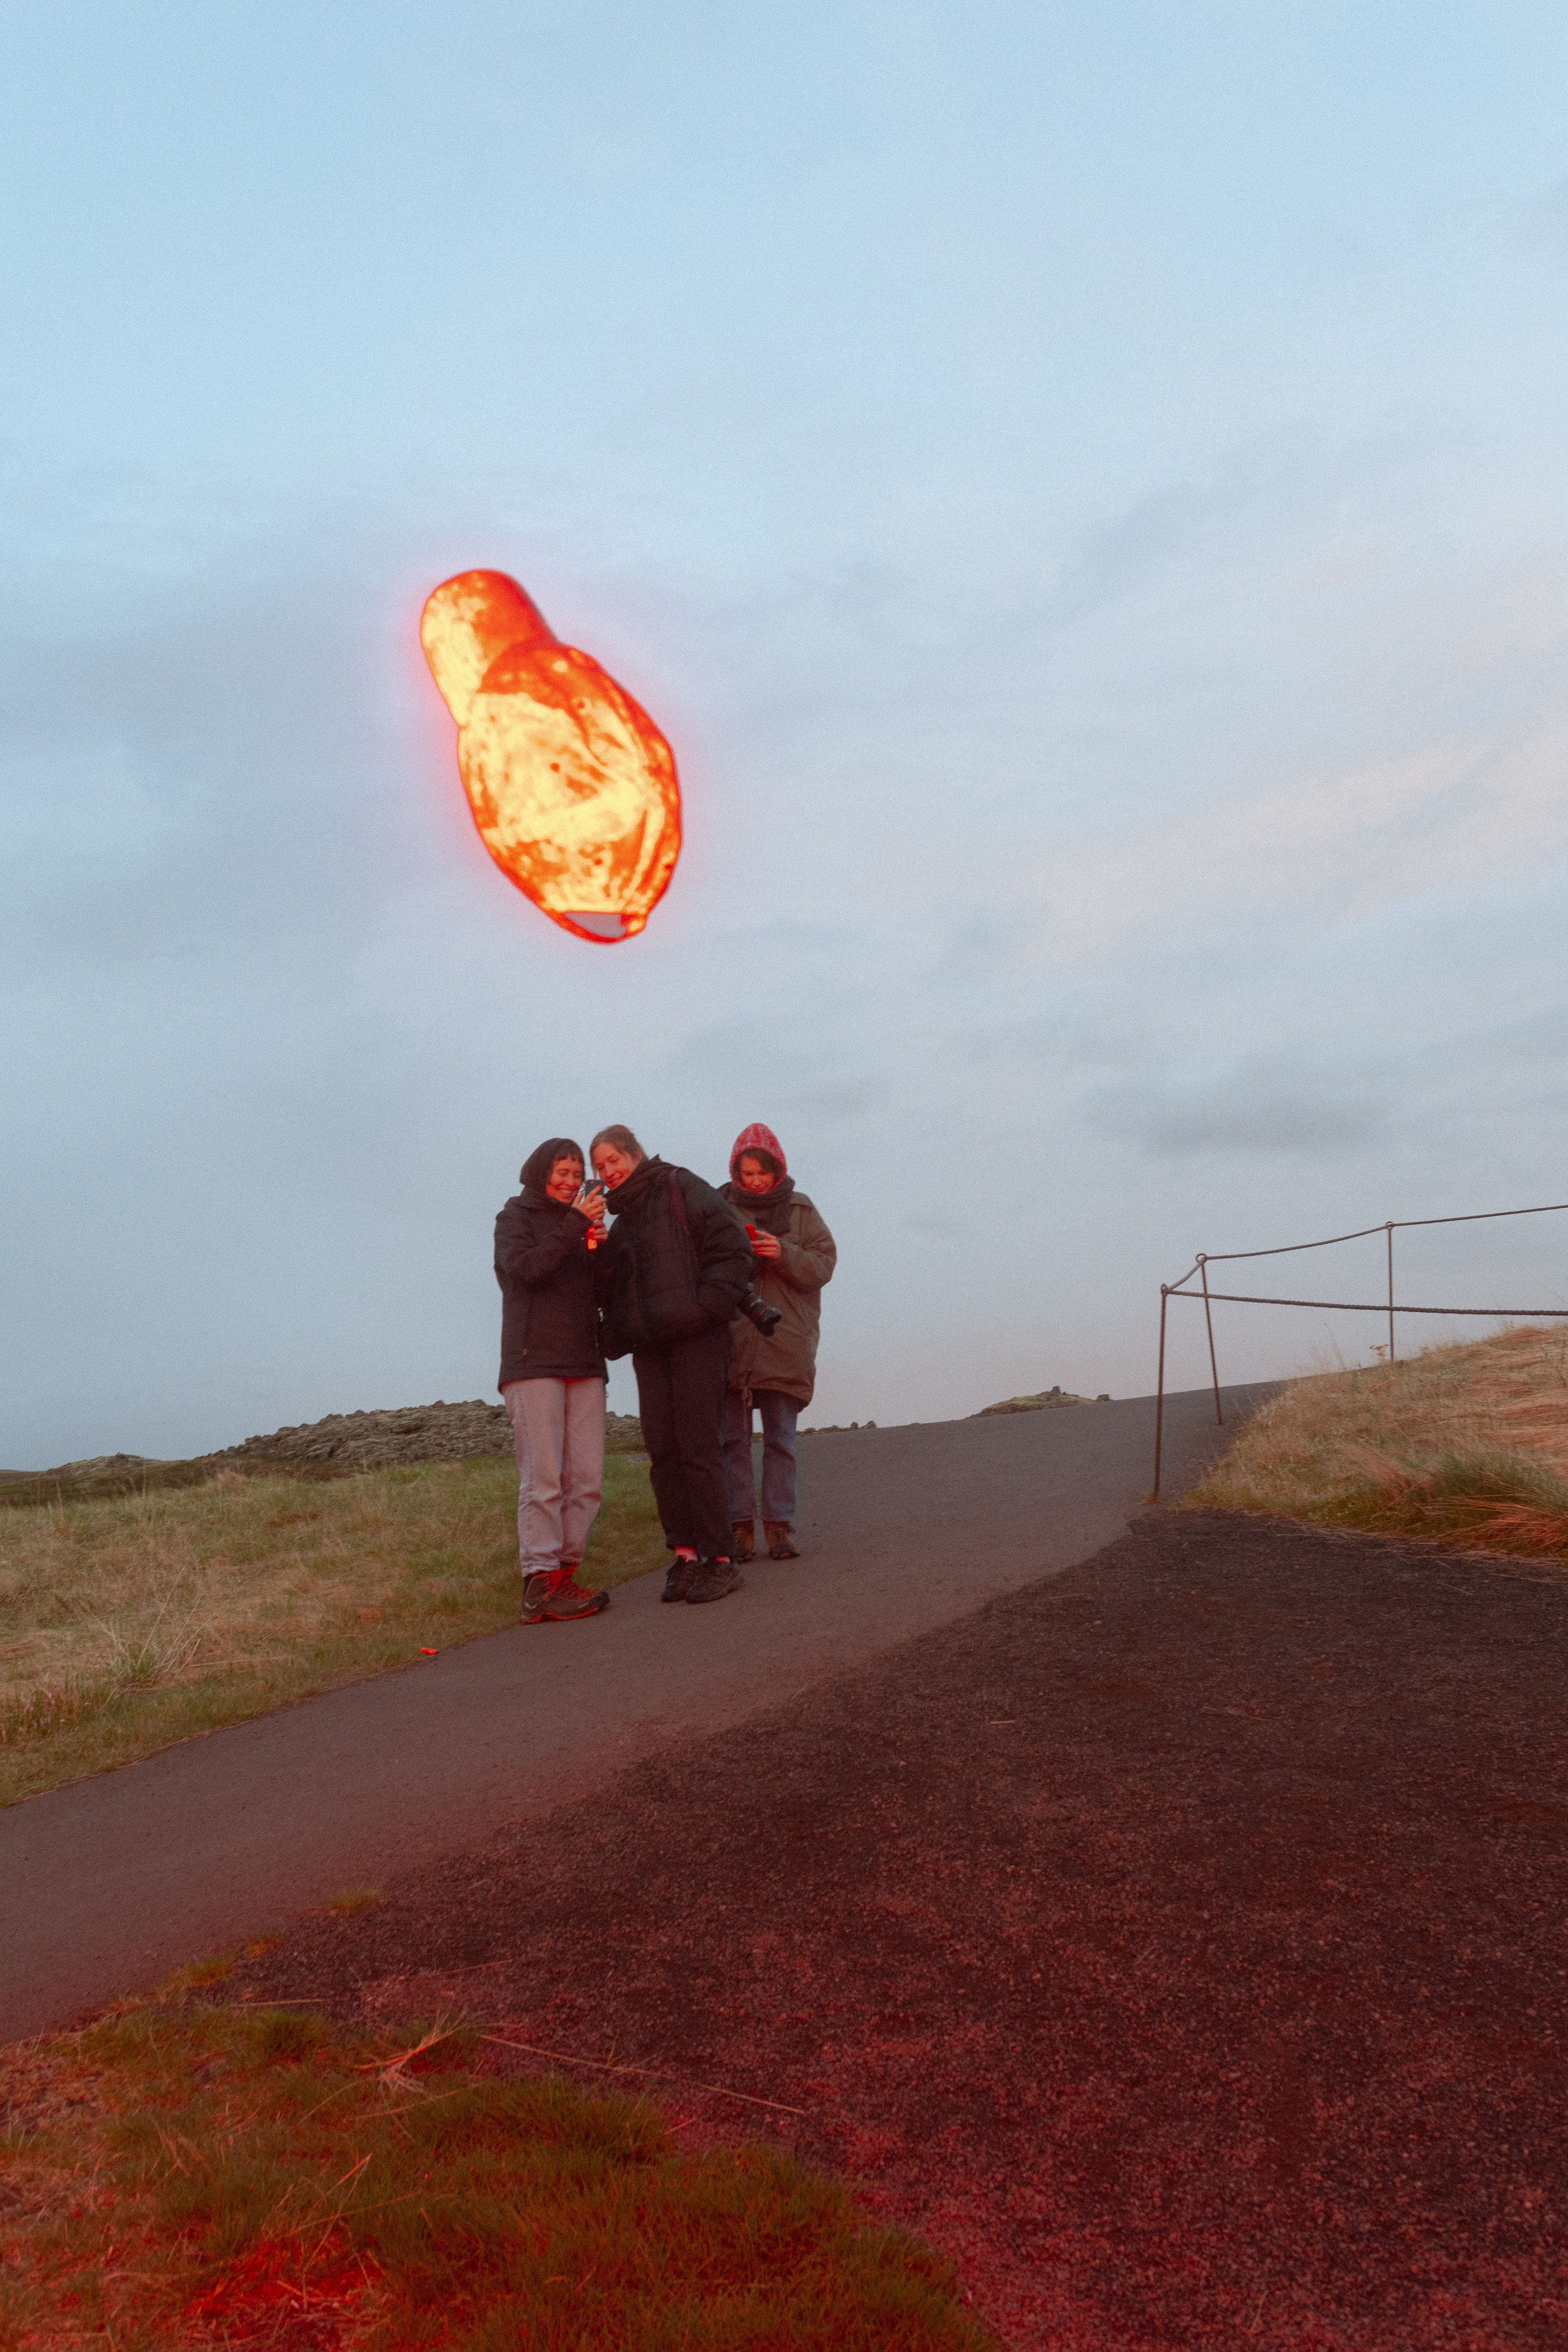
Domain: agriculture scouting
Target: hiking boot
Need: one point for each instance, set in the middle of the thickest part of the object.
(713, 1580)
(575, 1599)
(740, 1536)
(555, 1592)
(678, 1579)
(781, 1539)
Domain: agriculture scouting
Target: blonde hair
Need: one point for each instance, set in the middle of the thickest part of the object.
(621, 1137)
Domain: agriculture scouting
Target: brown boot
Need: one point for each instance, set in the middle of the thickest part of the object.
(743, 1546)
(781, 1539)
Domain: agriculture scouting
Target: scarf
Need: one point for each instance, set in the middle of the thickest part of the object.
(769, 1212)
(626, 1199)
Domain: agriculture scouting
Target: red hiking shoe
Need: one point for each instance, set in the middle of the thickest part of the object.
(556, 1594)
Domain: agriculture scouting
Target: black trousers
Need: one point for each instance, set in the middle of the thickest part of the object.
(680, 1397)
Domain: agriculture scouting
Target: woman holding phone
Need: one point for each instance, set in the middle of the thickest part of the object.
(775, 1371)
(552, 1373)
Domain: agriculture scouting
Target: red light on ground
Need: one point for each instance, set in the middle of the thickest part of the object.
(572, 786)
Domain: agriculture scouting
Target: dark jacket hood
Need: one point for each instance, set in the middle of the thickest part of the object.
(534, 1173)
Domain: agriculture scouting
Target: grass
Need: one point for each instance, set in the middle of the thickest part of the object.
(181, 2177)
(1462, 1444)
(133, 1620)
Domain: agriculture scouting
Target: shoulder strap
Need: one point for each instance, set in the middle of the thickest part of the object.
(678, 1204)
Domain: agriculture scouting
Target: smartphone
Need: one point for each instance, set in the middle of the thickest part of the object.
(585, 1193)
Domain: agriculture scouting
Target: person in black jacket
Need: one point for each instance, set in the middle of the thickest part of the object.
(675, 1269)
(553, 1374)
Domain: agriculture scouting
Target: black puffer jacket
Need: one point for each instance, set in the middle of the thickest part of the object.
(549, 1322)
(677, 1261)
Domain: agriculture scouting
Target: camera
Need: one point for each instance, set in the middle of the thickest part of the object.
(757, 1310)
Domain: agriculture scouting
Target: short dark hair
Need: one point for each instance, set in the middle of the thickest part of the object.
(752, 1151)
(621, 1137)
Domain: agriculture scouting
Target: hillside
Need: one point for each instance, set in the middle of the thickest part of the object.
(1465, 1444)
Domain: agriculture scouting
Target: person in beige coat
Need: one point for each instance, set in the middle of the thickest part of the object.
(793, 1254)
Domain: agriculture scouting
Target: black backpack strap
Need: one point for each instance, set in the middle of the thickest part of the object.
(694, 1255)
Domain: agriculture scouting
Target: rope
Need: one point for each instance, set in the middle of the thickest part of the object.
(1395, 1224)
(1360, 1306)
(1388, 1307)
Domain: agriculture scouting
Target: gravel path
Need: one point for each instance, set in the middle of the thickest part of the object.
(1177, 1941)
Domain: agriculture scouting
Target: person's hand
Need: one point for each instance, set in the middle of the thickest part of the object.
(593, 1208)
(766, 1244)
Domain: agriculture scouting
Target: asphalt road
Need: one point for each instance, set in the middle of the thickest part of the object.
(109, 1885)
(1175, 1943)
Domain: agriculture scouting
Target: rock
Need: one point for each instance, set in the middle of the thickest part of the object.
(430, 1432)
(1044, 1403)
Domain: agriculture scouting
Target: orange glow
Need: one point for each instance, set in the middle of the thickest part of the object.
(572, 785)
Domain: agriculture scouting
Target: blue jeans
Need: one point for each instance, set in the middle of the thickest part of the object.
(780, 1415)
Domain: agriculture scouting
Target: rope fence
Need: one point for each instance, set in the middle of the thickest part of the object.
(1199, 1272)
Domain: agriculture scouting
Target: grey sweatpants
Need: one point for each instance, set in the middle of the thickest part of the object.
(558, 1434)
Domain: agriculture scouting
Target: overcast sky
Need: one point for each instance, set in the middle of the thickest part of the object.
(1083, 491)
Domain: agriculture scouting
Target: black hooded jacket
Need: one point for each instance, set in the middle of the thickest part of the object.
(549, 1323)
(677, 1261)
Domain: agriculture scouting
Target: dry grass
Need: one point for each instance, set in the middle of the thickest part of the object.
(177, 2178)
(1465, 1445)
(133, 1622)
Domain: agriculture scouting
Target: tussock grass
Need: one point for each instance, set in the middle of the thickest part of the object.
(199, 2178)
(132, 1620)
(1462, 1444)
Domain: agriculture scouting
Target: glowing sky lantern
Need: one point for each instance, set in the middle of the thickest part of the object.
(572, 785)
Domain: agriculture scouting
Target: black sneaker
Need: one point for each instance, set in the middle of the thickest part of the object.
(713, 1580)
(677, 1580)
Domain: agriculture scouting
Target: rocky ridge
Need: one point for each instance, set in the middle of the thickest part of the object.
(1044, 1403)
(328, 1448)
(425, 1432)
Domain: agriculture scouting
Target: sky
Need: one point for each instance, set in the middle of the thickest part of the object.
(1083, 491)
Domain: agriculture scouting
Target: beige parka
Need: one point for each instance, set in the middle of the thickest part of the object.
(793, 1283)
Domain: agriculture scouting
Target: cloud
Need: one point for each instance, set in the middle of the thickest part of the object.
(1260, 1107)
(1262, 486)
(1088, 910)
(1546, 221)
(1328, 847)
(224, 761)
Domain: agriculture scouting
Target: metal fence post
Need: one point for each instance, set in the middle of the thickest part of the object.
(1208, 1318)
(1389, 1228)
(1160, 1394)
